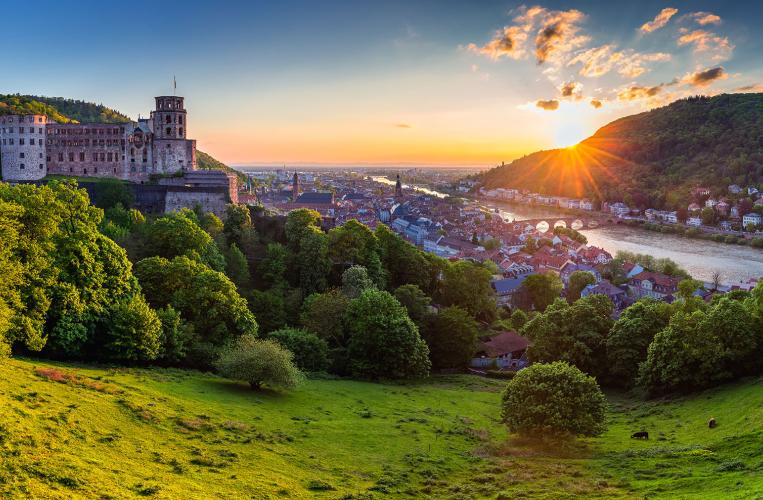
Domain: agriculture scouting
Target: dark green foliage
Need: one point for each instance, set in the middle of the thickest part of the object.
(132, 331)
(541, 290)
(383, 341)
(630, 337)
(414, 301)
(81, 111)
(554, 398)
(572, 233)
(176, 336)
(451, 336)
(467, 285)
(205, 298)
(113, 192)
(355, 281)
(269, 309)
(310, 351)
(653, 159)
(578, 281)
(237, 268)
(573, 333)
(354, 244)
(323, 313)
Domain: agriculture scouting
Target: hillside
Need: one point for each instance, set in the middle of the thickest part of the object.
(68, 430)
(652, 158)
(64, 110)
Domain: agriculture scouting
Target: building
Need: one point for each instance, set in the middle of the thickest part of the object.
(33, 146)
(655, 285)
(505, 351)
(751, 219)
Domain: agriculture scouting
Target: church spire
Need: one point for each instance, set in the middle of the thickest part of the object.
(398, 188)
(295, 188)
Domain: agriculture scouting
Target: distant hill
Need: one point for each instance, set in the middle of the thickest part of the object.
(64, 110)
(652, 159)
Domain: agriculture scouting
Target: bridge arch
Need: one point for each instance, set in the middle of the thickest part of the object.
(560, 223)
(577, 224)
(592, 224)
(542, 226)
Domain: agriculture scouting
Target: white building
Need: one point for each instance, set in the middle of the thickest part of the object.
(751, 219)
(694, 221)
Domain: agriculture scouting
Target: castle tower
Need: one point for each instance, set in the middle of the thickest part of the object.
(398, 188)
(22, 147)
(172, 151)
(295, 188)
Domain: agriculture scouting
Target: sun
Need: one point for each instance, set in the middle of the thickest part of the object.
(570, 126)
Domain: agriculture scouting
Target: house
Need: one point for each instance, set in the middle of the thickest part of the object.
(751, 219)
(725, 225)
(596, 255)
(694, 221)
(655, 285)
(586, 204)
(630, 269)
(505, 351)
(722, 207)
(700, 191)
(734, 189)
(752, 191)
(507, 289)
(570, 267)
(711, 202)
(759, 201)
(694, 207)
(619, 209)
(617, 295)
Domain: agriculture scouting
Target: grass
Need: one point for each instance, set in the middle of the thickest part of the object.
(79, 431)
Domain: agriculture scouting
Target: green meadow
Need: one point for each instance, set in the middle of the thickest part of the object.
(80, 431)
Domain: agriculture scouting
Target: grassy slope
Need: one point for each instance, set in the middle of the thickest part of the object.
(176, 434)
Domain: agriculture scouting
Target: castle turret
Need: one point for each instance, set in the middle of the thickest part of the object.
(172, 151)
(22, 147)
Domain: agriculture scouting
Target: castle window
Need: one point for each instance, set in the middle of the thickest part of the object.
(95, 170)
(21, 166)
(84, 171)
(21, 141)
(168, 120)
(180, 132)
(21, 155)
(180, 120)
(60, 157)
(40, 166)
(110, 157)
(82, 156)
(169, 131)
(71, 156)
(95, 156)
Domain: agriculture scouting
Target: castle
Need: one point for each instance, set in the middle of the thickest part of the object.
(33, 146)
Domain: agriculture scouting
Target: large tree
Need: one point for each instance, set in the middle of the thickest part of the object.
(542, 290)
(452, 336)
(467, 285)
(578, 281)
(383, 341)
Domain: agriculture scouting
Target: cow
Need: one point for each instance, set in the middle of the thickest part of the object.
(711, 423)
(640, 435)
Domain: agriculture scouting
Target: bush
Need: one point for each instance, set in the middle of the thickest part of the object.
(554, 398)
(310, 351)
(259, 362)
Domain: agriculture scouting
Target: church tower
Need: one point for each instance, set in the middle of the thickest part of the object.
(295, 188)
(398, 188)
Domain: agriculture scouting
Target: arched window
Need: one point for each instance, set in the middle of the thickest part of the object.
(180, 131)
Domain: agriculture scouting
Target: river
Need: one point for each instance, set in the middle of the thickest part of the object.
(700, 258)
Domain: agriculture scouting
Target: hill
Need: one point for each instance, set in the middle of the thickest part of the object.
(652, 159)
(79, 431)
(64, 110)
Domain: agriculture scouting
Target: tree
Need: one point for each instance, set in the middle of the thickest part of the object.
(355, 280)
(299, 223)
(573, 333)
(323, 313)
(467, 285)
(578, 281)
(354, 244)
(113, 192)
(272, 269)
(414, 301)
(206, 299)
(554, 398)
(708, 216)
(629, 339)
(132, 331)
(269, 309)
(383, 341)
(452, 337)
(542, 289)
(259, 362)
(238, 221)
(518, 319)
(237, 268)
(310, 351)
(687, 287)
(178, 234)
(403, 263)
(176, 336)
(313, 263)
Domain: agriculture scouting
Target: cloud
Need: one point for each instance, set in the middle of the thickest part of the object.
(550, 105)
(705, 41)
(705, 77)
(599, 61)
(596, 103)
(571, 89)
(636, 92)
(757, 87)
(556, 35)
(659, 21)
(402, 125)
(704, 18)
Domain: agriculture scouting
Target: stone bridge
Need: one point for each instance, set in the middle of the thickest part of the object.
(571, 221)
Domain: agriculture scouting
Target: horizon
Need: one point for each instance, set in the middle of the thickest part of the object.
(441, 85)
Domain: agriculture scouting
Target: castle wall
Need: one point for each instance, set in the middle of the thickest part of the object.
(22, 147)
(95, 150)
(209, 199)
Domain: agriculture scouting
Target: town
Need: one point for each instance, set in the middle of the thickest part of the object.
(456, 227)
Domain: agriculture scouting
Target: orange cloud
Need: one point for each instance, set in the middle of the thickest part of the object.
(571, 89)
(599, 61)
(550, 105)
(636, 92)
(704, 41)
(659, 21)
(705, 77)
(704, 18)
(596, 103)
(402, 125)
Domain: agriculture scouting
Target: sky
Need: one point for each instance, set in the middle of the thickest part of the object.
(393, 82)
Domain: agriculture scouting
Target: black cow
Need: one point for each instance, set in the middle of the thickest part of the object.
(640, 435)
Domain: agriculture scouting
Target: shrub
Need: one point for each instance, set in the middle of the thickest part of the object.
(258, 362)
(554, 398)
(310, 351)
